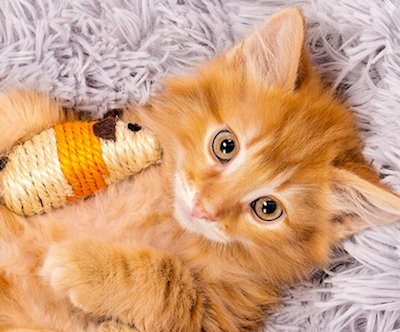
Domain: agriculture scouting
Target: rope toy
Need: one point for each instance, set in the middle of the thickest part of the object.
(73, 160)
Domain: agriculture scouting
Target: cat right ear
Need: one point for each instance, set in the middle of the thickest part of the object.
(272, 54)
(358, 204)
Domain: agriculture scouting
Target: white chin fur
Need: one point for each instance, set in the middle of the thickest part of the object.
(183, 206)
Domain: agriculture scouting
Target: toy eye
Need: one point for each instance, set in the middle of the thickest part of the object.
(225, 146)
(134, 126)
(267, 208)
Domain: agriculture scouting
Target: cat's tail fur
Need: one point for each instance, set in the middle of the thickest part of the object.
(24, 114)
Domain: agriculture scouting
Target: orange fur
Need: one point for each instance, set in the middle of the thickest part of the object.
(178, 247)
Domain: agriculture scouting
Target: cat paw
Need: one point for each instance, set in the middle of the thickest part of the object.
(113, 326)
(69, 268)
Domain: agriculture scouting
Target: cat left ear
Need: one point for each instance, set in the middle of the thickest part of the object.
(272, 54)
(359, 204)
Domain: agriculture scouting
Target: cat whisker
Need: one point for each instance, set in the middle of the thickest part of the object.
(198, 244)
(239, 102)
(234, 258)
(202, 241)
(183, 169)
(323, 189)
(167, 195)
(171, 180)
(210, 243)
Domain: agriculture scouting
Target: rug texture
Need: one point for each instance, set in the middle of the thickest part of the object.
(94, 55)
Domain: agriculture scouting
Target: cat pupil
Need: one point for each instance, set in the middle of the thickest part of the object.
(227, 146)
(224, 146)
(269, 207)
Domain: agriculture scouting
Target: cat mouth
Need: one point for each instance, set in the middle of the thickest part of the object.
(190, 219)
(202, 226)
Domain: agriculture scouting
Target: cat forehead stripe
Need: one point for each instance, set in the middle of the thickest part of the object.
(249, 146)
(272, 188)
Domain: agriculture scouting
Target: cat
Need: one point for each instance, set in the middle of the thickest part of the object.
(261, 176)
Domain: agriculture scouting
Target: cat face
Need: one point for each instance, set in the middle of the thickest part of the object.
(245, 172)
(260, 153)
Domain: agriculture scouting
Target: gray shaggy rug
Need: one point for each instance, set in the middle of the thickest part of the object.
(94, 55)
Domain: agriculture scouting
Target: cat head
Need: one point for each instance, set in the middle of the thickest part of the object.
(260, 153)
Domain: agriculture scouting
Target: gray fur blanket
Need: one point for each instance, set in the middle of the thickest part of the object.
(94, 55)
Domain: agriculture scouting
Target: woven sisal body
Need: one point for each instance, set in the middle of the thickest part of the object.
(70, 161)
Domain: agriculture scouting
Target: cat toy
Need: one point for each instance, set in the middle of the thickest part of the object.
(73, 160)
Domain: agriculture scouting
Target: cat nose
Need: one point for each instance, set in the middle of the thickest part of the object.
(200, 211)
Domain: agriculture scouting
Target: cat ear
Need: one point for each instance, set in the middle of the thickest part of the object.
(358, 204)
(272, 53)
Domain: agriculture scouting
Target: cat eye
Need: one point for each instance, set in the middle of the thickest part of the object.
(267, 209)
(224, 146)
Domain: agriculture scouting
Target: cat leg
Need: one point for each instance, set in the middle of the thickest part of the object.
(139, 285)
(113, 326)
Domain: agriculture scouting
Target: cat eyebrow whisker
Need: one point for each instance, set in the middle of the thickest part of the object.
(323, 189)
(239, 102)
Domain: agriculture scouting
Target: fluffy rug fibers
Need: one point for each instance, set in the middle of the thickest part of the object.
(94, 55)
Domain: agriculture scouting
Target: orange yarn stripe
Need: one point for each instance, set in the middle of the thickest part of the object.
(80, 157)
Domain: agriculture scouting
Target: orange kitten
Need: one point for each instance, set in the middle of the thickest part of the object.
(262, 174)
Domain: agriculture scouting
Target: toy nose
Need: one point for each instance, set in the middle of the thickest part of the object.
(200, 211)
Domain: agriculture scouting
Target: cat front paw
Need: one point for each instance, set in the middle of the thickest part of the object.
(72, 270)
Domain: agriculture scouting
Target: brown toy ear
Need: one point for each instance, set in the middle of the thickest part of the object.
(113, 113)
(3, 162)
(105, 128)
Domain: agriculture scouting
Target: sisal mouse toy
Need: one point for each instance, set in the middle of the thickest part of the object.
(73, 160)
